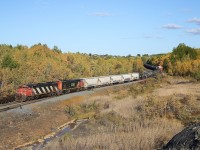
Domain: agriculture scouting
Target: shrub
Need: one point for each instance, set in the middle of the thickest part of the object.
(9, 62)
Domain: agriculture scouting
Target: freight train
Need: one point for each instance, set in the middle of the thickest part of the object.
(39, 90)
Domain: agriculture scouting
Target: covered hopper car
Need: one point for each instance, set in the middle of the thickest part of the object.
(114, 79)
(126, 77)
(90, 82)
(135, 76)
(103, 81)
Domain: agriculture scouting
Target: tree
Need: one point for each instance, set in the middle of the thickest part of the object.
(182, 52)
(56, 49)
(9, 62)
(137, 65)
(165, 64)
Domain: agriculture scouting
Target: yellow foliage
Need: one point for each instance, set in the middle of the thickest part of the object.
(41, 64)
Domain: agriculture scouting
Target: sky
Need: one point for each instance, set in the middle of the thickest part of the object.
(114, 27)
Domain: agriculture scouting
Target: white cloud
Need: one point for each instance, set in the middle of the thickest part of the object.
(101, 14)
(153, 37)
(194, 20)
(172, 26)
(194, 31)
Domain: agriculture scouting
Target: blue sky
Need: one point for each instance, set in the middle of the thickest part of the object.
(116, 27)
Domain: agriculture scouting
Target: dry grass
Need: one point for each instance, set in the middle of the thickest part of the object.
(147, 134)
(140, 120)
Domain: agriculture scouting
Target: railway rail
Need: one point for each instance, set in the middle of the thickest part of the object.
(15, 104)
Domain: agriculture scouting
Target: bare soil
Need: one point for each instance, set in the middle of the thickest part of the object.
(19, 127)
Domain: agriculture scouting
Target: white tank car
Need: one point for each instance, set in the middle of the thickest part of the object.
(135, 76)
(104, 80)
(116, 79)
(126, 77)
(90, 82)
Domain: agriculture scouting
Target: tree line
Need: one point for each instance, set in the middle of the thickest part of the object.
(182, 61)
(39, 63)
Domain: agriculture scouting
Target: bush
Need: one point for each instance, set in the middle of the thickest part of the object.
(196, 75)
(9, 62)
(83, 110)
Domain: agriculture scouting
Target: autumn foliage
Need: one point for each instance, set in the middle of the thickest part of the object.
(39, 63)
(183, 61)
(22, 65)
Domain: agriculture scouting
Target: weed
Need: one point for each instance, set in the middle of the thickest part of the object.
(82, 110)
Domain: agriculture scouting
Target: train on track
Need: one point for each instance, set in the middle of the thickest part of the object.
(45, 89)
(39, 90)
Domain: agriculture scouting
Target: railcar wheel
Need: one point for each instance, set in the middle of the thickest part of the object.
(66, 91)
(18, 100)
(28, 98)
(53, 94)
(36, 97)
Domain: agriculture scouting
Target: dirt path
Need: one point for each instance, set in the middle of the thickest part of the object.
(179, 88)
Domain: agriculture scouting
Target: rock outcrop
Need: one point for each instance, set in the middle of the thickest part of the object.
(189, 138)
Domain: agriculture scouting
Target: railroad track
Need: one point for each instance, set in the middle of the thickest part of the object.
(14, 104)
